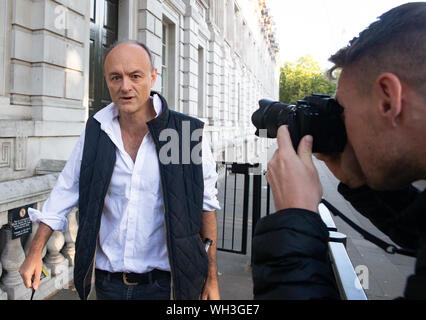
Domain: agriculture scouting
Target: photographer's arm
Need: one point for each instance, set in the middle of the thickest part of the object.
(290, 257)
(290, 247)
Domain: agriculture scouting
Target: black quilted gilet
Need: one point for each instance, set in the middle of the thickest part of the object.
(182, 189)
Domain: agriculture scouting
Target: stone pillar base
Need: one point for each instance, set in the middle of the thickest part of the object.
(3, 295)
(19, 292)
(48, 286)
(57, 268)
(54, 284)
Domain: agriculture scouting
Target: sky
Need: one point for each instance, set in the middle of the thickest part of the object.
(321, 27)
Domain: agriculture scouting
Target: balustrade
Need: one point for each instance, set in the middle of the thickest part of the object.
(54, 259)
(70, 236)
(12, 257)
(58, 260)
(3, 295)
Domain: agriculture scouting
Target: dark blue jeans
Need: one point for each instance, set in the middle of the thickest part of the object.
(111, 288)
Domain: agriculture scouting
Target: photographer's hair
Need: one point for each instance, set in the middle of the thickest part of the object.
(395, 43)
(117, 43)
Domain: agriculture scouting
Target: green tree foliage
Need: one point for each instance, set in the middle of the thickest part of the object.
(300, 79)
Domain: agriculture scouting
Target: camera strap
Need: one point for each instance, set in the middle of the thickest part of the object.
(388, 247)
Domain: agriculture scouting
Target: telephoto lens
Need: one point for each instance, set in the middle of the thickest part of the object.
(317, 115)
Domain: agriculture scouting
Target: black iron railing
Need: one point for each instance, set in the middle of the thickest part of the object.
(234, 220)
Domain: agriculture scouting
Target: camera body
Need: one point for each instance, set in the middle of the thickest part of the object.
(317, 115)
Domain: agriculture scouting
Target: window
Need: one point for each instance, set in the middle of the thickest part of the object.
(168, 62)
(164, 62)
(201, 10)
(201, 82)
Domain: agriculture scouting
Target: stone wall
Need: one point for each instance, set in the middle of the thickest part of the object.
(43, 95)
(44, 62)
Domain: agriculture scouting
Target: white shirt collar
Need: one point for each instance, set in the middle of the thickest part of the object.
(106, 115)
(108, 118)
(158, 106)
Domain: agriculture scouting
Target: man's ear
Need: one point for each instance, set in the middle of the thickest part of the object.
(153, 77)
(389, 92)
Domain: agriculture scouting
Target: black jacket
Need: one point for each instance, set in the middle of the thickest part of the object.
(290, 251)
(182, 188)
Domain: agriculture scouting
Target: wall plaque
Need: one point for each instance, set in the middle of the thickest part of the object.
(20, 221)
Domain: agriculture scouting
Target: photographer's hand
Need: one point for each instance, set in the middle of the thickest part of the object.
(344, 166)
(293, 177)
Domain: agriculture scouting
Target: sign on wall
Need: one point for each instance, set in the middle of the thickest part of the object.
(20, 221)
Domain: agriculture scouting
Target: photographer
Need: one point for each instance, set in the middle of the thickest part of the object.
(382, 89)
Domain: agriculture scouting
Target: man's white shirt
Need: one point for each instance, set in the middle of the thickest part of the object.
(132, 236)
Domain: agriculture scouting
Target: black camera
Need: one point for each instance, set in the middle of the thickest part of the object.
(317, 115)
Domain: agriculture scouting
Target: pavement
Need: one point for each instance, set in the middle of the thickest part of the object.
(385, 274)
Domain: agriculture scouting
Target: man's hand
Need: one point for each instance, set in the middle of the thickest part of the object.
(211, 288)
(30, 270)
(293, 177)
(209, 230)
(344, 166)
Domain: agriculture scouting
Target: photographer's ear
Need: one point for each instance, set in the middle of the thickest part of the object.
(389, 90)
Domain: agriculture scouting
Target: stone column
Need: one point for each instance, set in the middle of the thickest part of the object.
(3, 295)
(214, 69)
(150, 31)
(54, 260)
(190, 61)
(70, 236)
(12, 258)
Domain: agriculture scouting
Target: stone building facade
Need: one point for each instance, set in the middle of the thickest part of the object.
(215, 58)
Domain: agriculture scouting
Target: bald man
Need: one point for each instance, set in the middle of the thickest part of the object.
(143, 219)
